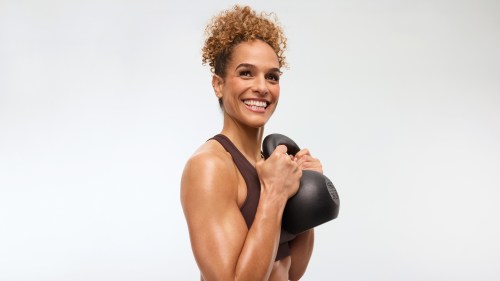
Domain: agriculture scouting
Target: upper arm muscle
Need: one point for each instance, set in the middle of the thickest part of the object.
(216, 227)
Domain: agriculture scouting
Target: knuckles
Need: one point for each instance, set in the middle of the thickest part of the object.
(305, 152)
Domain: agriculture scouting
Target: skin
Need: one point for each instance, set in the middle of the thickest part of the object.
(213, 190)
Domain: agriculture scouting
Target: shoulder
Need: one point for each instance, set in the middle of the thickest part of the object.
(211, 159)
(209, 171)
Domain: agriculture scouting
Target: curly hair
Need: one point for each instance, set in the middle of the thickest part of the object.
(240, 24)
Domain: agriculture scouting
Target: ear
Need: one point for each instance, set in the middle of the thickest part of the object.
(217, 83)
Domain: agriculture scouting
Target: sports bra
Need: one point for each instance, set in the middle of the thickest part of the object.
(249, 207)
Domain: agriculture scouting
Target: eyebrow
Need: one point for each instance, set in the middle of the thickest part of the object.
(274, 69)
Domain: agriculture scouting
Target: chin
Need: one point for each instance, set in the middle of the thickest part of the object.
(257, 124)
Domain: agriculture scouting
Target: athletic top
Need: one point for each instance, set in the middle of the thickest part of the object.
(249, 207)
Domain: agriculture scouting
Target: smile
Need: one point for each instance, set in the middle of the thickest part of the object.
(255, 104)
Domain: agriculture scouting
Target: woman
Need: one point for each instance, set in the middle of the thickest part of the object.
(233, 200)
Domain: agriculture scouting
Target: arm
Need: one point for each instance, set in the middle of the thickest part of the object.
(222, 245)
(301, 247)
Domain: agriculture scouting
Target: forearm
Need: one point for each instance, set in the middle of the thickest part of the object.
(301, 249)
(259, 250)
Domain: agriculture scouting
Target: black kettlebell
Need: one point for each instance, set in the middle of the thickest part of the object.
(316, 201)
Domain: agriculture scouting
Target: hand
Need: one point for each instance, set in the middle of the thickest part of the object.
(306, 162)
(279, 174)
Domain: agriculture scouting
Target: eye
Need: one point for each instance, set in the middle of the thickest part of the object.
(273, 77)
(245, 73)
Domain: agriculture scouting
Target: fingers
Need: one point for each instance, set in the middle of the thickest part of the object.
(282, 149)
(303, 156)
(312, 165)
(302, 153)
(306, 162)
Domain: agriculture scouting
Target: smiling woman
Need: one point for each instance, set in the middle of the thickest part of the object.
(251, 84)
(232, 199)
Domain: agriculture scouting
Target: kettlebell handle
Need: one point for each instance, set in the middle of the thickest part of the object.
(273, 140)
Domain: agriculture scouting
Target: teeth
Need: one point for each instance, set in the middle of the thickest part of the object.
(255, 103)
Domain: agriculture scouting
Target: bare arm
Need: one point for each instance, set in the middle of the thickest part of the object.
(301, 247)
(223, 246)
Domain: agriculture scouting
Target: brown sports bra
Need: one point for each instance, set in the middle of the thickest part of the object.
(249, 207)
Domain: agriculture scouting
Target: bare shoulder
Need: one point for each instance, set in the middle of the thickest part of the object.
(210, 171)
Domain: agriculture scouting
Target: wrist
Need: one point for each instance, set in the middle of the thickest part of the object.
(272, 199)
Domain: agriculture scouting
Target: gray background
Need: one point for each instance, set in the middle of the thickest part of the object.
(102, 102)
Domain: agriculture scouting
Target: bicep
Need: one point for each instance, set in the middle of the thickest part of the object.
(217, 229)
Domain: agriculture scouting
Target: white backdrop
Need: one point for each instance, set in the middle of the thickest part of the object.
(102, 102)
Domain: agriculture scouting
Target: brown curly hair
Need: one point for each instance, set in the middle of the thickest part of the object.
(240, 24)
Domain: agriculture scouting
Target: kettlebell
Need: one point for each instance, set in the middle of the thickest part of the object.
(316, 200)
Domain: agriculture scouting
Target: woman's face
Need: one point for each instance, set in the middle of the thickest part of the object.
(250, 90)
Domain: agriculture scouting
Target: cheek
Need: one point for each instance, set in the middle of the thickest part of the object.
(276, 92)
(233, 87)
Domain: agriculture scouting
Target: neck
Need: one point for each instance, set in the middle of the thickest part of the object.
(248, 140)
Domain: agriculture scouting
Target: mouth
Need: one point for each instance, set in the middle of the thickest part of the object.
(256, 105)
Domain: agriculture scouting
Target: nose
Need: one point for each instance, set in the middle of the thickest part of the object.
(260, 85)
